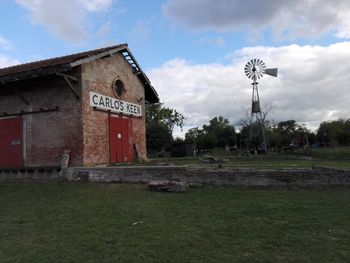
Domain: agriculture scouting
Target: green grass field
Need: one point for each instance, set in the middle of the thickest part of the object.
(254, 163)
(338, 158)
(328, 153)
(61, 222)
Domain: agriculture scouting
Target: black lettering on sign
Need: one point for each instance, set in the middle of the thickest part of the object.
(102, 102)
(138, 109)
(128, 107)
(121, 106)
(107, 102)
(116, 104)
(94, 99)
(112, 104)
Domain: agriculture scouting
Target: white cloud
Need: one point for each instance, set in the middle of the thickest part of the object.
(290, 19)
(312, 85)
(4, 43)
(95, 5)
(67, 19)
(6, 61)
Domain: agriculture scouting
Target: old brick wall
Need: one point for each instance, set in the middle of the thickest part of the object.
(47, 135)
(98, 76)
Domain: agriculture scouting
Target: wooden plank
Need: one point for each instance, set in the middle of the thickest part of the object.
(33, 74)
(5, 114)
(21, 96)
(67, 76)
(93, 58)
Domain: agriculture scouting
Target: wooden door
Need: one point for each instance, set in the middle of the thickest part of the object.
(11, 142)
(121, 147)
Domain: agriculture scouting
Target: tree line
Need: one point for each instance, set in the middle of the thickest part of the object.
(219, 133)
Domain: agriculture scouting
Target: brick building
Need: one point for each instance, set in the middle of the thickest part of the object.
(91, 104)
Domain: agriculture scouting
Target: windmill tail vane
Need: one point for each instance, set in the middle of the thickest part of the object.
(271, 71)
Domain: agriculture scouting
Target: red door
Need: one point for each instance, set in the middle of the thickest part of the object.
(11, 142)
(121, 148)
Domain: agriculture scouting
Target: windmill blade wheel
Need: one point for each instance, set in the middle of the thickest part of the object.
(255, 68)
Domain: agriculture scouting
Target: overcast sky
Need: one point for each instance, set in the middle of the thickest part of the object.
(194, 51)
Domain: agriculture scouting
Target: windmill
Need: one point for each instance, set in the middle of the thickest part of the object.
(255, 69)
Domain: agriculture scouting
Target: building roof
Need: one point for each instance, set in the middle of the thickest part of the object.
(66, 63)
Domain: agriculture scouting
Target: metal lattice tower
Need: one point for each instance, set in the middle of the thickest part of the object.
(255, 69)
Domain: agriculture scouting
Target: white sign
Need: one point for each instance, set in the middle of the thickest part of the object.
(114, 105)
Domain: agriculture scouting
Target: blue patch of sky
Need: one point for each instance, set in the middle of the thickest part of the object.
(30, 42)
(152, 37)
(161, 42)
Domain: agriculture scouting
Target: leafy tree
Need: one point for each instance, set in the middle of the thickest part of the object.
(158, 137)
(289, 132)
(221, 132)
(157, 113)
(206, 141)
(286, 130)
(192, 135)
(178, 141)
(334, 133)
(312, 138)
(160, 122)
(218, 133)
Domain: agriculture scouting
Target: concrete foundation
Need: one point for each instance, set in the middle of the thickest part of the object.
(316, 177)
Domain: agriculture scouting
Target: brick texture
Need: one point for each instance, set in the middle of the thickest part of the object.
(47, 135)
(99, 76)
